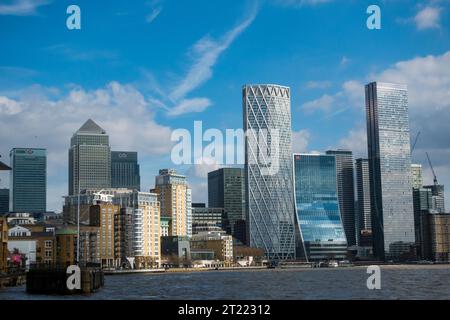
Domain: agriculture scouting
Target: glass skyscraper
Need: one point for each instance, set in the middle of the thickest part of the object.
(389, 153)
(4, 201)
(226, 189)
(89, 159)
(28, 180)
(319, 222)
(268, 170)
(363, 216)
(125, 170)
(346, 192)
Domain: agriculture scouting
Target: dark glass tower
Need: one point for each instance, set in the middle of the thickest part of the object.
(28, 180)
(319, 221)
(363, 216)
(226, 189)
(125, 170)
(346, 192)
(389, 151)
(4, 201)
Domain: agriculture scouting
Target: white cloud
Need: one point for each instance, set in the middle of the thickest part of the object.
(9, 106)
(42, 120)
(324, 103)
(189, 106)
(428, 18)
(153, 15)
(22, 7)
(356, 141)
(300, 141)
(318, 84)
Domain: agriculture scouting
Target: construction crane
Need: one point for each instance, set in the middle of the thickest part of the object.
(432, 170)
(415, 142)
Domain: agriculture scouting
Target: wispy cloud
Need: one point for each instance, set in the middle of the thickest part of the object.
(22, 7)
(300, 3)
(428, 18)
(190, 105)
(81, 55)
(153, 15)
(206, 52)
(318, 84)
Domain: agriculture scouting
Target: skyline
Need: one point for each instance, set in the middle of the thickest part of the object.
(203, 67)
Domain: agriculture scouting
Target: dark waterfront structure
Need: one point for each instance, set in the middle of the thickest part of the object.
(89, 159)
(319, 221)
(28, 180)
(346, 192)
(363, 209)
(125, 171)
(226, 189)
(389, 152)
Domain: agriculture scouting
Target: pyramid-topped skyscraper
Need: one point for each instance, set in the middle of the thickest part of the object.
(89, 159)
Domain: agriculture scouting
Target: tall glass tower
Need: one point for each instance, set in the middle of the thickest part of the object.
(364, 216)
(346, 191)
(268, 170)
(321, 231)
(125, 170)
(28, 180)
(389, 153)
(89, 159)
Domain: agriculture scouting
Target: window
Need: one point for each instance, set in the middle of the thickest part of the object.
(48, 243)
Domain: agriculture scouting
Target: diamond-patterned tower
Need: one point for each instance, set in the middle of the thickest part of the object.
(268, 170)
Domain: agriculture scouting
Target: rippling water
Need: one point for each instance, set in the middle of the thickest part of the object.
(399, 282)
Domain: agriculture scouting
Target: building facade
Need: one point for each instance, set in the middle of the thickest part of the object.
(363, 209)
(346, 192)
(417, 178)
(389, 151)
(175, 200)
(438, 199)
(436, 236)
(89, 159)
(3, 244)
(226, 189)
(320, 228)
(268, 170)
(4, 201)
(125, 171)
(28, 180)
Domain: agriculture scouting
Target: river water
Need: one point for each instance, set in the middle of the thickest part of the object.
(397, 282)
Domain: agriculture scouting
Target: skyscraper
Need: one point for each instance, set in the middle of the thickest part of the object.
(226, 189)
(416, 173)
(438, 200)
(346, 192)
(4, 201)
(175, 200)
(389, 153)
(363, 216)
(125, 170)
(89, 159)
(28, 180)
(268, 170)
(319, 221)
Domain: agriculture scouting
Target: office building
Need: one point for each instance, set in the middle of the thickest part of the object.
(389, 151)
(218, 241)
(268, 170)
(346, 192)
(416, 173)
(174, 196)
(436, 236)
(4, 201)
(28, 180)
(210, 216)
(226, 189)
(363, 215)
(438, 199)
(321, 233)
(125, 170)
(89, 159)
(123, 236)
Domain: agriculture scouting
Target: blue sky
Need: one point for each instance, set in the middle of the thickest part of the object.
(143, 69)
